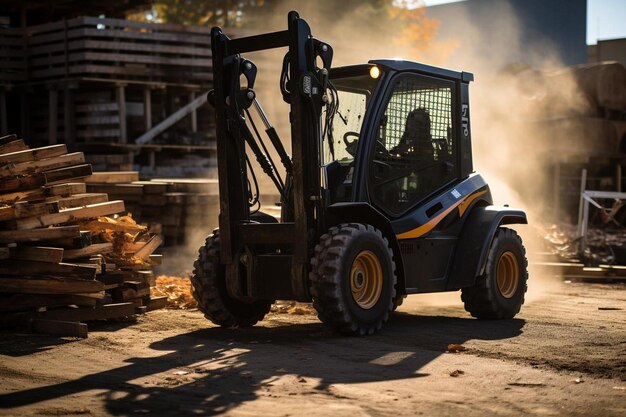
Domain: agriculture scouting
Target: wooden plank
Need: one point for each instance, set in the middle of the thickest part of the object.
(15, 146)
(23, 302)
(112, 177)
(72, 243)
(156, 303)
(96, 248)
(28, 182)
(156, 259)
(102, 312)
(33, 268)
(70, 215)
(68, 173)
(117, 189)
(21, 210)
(145, 252)
(7, 139)
(44, 192)
(35, 235)
(33, 154)
(49, 285)
(37, 253)
(5, 253)
(62, 161)
(150, 187)
(81, 200)
(120, 96)
(60, 328)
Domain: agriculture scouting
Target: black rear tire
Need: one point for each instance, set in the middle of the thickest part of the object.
(347, 260)
(209, 289)
(494, 298)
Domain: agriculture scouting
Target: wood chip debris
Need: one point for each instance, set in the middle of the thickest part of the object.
(456, 348)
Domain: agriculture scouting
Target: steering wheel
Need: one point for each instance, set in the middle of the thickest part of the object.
(381, 149)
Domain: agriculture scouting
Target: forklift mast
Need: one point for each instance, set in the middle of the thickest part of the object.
(304, 87)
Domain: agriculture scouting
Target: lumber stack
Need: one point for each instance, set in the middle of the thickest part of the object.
(65, 257)
(183, 210)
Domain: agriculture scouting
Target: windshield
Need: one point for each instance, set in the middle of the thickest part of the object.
(344, 127)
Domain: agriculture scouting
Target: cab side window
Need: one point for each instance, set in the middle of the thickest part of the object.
(415, 151)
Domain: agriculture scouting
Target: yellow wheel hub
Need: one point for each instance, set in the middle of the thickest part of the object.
(366, 279)
(507, 274)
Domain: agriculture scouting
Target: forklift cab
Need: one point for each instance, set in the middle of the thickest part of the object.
(392, 141)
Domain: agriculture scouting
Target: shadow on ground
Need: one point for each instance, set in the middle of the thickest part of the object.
(230, 367)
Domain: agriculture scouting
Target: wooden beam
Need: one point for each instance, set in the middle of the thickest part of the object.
(147, 249)
(62, 161)
(44, 192)
(32, 154)
(37, 253)
(172, 120)
(49, 285)
(81, 200)
(7, 138)
(194, 114)
(121, 105)
(95, 249)
(21, 210)
(68, 173)
(70, 215)
(15, 146)
(60, 328)
(102, 312)
(18, 268)
(112, 177)
(147, 108)
(22, 183)
(35, 235)
(22, 302)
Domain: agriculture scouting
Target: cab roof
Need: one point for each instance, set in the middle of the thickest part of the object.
(404, 65)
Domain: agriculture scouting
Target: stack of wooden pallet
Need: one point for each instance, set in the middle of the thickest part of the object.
(62, 260)
(110, 162)
(183, 210)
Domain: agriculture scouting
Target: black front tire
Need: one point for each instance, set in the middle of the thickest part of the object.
(489, 299)
(209, 289)
(335, 281)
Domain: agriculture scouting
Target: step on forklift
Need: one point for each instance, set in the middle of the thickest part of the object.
(378, 197)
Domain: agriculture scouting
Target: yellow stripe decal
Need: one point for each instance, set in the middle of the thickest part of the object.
(430, 225)
(466, 203)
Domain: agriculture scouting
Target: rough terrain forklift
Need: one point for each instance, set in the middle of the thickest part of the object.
(378, 197)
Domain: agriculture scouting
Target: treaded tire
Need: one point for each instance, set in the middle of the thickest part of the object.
(209, 289)
(331, 267)
(485, 300)
(397, 302)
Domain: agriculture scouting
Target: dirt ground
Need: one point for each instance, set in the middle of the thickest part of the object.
(565, 355)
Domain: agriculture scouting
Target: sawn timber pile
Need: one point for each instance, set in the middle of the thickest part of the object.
(65, 255)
